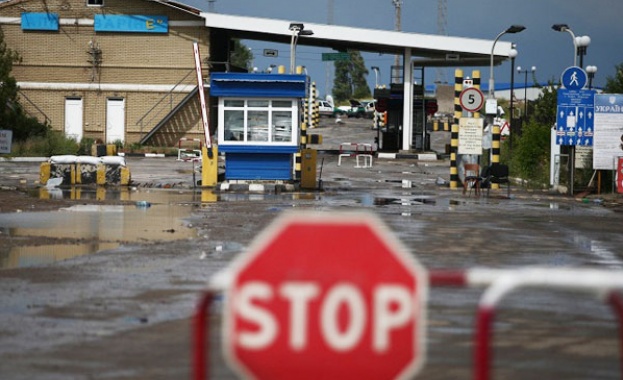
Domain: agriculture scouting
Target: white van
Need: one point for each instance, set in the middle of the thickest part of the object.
(325, 109)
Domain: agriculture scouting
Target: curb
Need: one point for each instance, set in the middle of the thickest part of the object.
(241, 187)
(24, 159)
(414, 156)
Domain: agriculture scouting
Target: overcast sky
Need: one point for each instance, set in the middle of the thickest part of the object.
(550, 51)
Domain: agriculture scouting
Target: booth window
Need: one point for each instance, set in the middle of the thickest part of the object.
(257, 121)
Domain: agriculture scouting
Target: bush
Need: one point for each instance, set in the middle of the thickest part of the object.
(530, 155)
(86, 144)
(52, 144)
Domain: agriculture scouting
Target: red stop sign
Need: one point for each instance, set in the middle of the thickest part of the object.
(431, 107)
(331, 297)
(380, 105)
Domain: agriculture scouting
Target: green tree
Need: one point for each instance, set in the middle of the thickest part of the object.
(530, 157)
(241, 56)
(8, 85)
(614, 85)
(544, 108)
(350, 79)
(530, 154)
(12, 115)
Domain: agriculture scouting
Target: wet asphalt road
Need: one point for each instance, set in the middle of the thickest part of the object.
(125, 313)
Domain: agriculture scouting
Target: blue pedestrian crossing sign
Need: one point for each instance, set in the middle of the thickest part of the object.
(574, 78)
(575, 110)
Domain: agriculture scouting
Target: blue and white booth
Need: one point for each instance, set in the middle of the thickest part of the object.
(258, 123)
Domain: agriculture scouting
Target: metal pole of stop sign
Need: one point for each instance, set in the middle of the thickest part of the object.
(616, 301)
(201, 332)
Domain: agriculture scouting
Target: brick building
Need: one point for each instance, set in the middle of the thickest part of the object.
(109, 70)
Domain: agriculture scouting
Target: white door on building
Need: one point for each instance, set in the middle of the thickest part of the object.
(115, 120)
(73, 118)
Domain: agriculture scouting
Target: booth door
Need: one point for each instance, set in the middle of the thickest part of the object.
(73, 118)
(115, 120)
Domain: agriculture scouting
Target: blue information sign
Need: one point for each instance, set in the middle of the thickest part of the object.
(575, 117)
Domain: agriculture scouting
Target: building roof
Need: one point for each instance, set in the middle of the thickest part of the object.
(433, 50)
(173, 4)
(437, 50)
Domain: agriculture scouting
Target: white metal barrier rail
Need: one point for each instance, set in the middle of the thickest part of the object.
(357, 150)
(499, 283)
(604, 284)
(189, 154)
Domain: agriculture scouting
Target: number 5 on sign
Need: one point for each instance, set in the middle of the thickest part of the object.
(471, 99)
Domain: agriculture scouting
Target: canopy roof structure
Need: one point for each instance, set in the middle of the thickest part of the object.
(435, 50)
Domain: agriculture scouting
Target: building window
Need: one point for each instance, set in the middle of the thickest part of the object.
(257, 121)
(95, 3)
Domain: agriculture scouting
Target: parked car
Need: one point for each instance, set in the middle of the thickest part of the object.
(369, 106)
(326, 109)
(355, 109)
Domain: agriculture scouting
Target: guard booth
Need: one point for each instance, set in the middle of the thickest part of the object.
(258, 123)
(392, 98)
(391, 133)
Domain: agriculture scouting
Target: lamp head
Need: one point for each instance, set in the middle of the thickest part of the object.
(515, 29)
(560, 27)
(306, 32)
(513, 53)
(582, 41)
(296, 26)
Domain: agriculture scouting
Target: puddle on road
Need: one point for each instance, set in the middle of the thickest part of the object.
(405, 201)
(86, 229)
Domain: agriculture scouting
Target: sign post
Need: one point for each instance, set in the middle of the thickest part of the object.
(326, 296)
(574, 114)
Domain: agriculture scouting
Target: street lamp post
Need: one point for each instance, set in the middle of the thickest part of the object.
(510, 30)
(297, 30)
(565, 28)
(513, 53)
(525, 90)
(591, 70)
(376, 76)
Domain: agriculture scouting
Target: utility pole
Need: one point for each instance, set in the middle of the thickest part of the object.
(442, 22)
(397, 27)
(329, 66)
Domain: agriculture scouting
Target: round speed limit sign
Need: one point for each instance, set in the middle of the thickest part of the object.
(471, 99)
